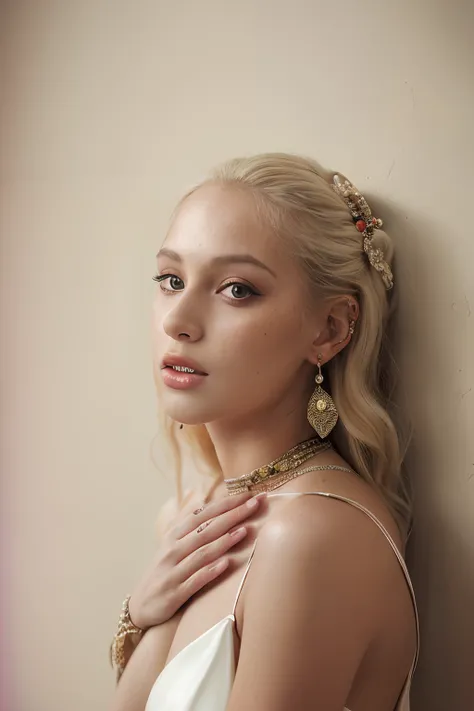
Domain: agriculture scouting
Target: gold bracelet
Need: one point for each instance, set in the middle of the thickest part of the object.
(125, 628)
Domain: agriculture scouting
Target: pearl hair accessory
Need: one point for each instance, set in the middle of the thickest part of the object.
(366, 224)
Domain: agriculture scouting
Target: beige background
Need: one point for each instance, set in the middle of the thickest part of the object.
(110, 110)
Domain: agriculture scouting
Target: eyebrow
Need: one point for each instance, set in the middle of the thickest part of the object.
(224, 259)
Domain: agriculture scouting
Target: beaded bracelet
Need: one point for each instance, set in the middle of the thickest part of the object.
(125, 629)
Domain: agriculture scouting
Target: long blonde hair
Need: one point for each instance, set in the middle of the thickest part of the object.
(295, 195)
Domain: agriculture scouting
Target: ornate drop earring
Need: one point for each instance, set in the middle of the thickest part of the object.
(322, 413)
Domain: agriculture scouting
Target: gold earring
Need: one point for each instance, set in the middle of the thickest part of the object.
(350, 332)
(322, 413)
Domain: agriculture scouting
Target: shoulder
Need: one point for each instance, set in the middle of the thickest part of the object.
(313, 605)
(312, 545)
(319, 524)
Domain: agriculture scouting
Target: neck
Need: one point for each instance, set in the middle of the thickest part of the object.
(244, 446)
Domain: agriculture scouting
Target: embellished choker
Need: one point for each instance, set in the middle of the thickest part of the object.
(281, 470)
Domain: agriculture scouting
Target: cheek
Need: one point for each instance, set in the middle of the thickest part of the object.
(265, 345)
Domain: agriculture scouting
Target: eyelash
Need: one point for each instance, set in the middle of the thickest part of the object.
(160, 278)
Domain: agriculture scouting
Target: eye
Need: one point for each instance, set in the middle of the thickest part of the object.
(175, 282)
(237, 291)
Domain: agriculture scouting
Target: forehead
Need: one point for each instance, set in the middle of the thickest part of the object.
(220, 218)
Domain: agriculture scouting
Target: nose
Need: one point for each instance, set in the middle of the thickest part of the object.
(182, 322)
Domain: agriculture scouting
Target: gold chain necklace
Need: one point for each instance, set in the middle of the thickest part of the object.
(277, 472)
(284, 478)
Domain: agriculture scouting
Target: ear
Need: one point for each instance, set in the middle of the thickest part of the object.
(340, 317)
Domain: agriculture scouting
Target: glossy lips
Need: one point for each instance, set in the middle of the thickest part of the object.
(181, 373)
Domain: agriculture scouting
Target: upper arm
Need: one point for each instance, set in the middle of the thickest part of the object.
(311, 608)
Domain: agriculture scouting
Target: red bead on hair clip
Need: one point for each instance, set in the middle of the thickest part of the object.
(366, 223)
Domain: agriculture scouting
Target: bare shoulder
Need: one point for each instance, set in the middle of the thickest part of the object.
(311, 546)
(325, 592)
(346, 485)
(314, 529)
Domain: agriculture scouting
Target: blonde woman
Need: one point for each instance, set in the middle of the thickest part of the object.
(287, 589)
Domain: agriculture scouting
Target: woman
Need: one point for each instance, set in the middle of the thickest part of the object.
(274, 274)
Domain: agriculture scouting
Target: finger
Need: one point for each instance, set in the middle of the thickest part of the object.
(200, 578)
(215, 508)
(212, 529)
(207, 555)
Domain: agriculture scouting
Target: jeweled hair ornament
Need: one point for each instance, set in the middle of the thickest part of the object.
(366, 224)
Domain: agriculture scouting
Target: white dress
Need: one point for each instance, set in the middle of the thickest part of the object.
(200, 676)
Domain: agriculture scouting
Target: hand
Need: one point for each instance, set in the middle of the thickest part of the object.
(192, 554)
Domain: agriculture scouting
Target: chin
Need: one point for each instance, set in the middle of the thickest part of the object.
(186, 412)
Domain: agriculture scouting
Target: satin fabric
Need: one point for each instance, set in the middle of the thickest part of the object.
(200, 676)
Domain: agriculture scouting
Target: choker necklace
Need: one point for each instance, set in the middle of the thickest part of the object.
(278, 472)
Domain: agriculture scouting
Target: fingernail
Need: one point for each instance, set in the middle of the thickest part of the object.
(254, 501)
(220, 565)
(239, 532)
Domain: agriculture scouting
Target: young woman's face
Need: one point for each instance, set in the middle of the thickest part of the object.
(232, 306)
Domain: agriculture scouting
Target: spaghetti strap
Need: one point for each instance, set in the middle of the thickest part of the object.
(241, 585)
(394, 547)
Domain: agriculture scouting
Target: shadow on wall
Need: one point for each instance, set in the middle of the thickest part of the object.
(432, 342)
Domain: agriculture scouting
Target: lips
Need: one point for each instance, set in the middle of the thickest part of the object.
(182, 365)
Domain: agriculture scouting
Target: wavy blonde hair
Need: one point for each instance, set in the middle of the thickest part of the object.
(295, 195)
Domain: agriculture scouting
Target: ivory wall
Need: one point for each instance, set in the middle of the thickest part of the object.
(110, 109)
